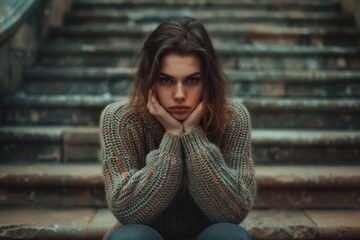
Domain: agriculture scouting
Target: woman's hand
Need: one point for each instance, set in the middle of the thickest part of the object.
(169, 122)
(194, 119)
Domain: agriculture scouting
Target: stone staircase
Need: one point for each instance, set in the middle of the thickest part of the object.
(294, 64)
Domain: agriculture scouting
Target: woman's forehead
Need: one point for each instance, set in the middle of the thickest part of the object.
(174, 63)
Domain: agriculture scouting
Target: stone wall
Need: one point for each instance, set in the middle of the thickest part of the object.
(54, 13)
(352, 7)
(21, 49)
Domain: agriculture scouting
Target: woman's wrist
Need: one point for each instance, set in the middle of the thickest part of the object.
(188, 129)
(177, 132)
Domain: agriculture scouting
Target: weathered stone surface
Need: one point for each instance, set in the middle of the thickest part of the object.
(65, 87)
(352, 7)
(294, 89)
(311, 177)
(244, 57)
(305, 147)
(91, 223)
(56, 196)
(280, 154)
(44, 223)
(265, 112)
(150, 14)
(269, 146)
(23, 144)
(161, 4)
(279, 224)
(73, 73)
(89, 101)
(339, 224)
(274, 83)
(12, 16)
(253, 33)
(52, 185)
(299, 187)
(279, 186)
(102, 220)
(300, 198)
(81, 144)
(29, 134)
(227, 48)
(50, 175)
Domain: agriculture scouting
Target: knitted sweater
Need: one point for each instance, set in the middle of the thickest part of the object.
(179, 185)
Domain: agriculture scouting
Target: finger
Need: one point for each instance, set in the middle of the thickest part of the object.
(152, 102)
(149, 99)
(199, 107)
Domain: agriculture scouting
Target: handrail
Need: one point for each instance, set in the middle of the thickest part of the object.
(12, 14)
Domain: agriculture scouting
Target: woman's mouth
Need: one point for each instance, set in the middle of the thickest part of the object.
(180, 109)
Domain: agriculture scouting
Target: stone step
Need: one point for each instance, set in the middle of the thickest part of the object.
(279, 187)
(231, 55)
(93, 223)
(284, 5)
(152, 15)
(242, 33)
(55, 223)
(266, 112)
(274, 83)
(270, 146)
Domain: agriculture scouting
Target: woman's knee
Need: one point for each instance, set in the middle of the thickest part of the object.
(134, 232)
(224, 231)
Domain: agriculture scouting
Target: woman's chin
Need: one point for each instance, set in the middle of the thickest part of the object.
(180, 117)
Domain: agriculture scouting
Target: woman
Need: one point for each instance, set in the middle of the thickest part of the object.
(177, 157)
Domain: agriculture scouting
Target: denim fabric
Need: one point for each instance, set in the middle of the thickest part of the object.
(224, 231)
(134, 232)
(220, 231)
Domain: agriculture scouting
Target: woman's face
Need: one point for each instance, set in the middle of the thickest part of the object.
(179, 88)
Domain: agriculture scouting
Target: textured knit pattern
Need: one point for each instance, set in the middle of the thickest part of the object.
(178, 185)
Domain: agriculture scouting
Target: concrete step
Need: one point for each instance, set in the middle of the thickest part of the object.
(279, 187)
(152, 15)
(274, 83)
(231, 55)
(66, 144)
(242, 33)
(284, 5)
(92, 223)
(266, 112)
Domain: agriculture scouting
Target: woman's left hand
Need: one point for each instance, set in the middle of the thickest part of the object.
(194, 119)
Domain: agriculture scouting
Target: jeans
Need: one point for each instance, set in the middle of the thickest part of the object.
(220, 231)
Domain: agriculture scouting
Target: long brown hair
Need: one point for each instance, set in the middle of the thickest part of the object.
(183, 35)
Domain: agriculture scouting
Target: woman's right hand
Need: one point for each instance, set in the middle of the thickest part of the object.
(169, 122)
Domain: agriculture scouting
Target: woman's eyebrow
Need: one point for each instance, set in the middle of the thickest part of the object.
(194, 74)
(191, 75)
(163, 74)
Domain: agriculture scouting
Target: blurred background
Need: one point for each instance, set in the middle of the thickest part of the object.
(294, 64)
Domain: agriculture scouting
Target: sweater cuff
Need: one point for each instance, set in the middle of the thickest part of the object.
(194, 141)
(170, 144)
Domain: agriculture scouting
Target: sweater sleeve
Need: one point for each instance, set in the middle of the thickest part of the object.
(135, 194)
(222, 181)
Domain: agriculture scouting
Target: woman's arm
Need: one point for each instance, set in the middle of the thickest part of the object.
(135, 194)
(222, 181)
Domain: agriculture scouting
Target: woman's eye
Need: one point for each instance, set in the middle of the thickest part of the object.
(166, 80)
(192, 80)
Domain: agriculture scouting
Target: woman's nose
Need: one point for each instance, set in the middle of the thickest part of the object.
(179, 92)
